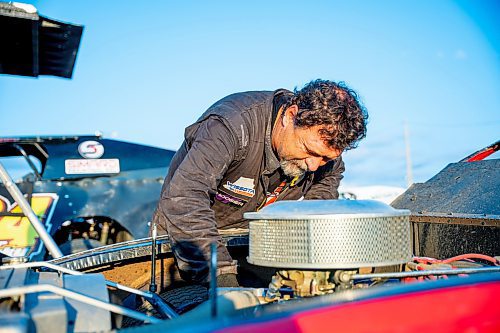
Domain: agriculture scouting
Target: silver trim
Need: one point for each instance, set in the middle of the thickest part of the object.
(72, 272)
(134, 249)
(426, 272)
(324, 209)
(37, 288)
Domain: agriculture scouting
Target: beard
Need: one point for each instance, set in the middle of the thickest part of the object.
(293, 168)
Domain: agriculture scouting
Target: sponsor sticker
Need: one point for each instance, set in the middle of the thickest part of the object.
(91, 149)
(17, 235)
(226, 198)
(83, 166)
(243, 186)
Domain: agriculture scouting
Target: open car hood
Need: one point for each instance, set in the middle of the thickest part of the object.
(34, 45)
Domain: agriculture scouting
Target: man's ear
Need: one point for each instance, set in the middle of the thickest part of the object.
(290, 113)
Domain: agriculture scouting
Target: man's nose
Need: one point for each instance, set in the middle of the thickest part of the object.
(313, 163)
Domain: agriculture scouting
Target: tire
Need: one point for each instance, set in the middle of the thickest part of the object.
(180, 299)
(185, 298)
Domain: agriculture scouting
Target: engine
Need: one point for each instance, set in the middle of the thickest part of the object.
(325, 246)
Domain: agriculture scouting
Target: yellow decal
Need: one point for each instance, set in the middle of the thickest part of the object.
(17, 235)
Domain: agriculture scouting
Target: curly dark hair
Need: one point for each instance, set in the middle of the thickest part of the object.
(336, 107)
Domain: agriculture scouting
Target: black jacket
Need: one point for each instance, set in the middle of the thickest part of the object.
(222, 170)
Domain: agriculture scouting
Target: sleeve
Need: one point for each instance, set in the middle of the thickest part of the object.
(326, 181)
(185, 202)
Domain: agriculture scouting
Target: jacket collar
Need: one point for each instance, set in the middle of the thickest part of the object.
(271, 160)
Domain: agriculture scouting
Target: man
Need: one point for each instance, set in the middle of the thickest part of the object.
(248, 150)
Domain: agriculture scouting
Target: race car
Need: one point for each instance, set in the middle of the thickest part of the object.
(87, 191)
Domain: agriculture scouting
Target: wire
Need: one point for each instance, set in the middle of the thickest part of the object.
(467, 256)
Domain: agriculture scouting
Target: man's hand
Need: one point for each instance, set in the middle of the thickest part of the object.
(227, 280)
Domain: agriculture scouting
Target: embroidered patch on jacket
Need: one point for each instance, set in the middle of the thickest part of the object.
(243, 186)
(226, 198)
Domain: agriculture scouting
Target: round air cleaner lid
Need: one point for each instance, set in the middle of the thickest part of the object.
(307, 209)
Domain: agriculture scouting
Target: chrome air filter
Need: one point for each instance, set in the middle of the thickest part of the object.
(329, 234)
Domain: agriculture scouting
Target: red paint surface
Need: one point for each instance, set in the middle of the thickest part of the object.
(482, 155)
(467, 309)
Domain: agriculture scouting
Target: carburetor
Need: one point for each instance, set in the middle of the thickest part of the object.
(303, 283)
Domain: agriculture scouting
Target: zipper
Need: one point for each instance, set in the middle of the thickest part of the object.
(277, 193)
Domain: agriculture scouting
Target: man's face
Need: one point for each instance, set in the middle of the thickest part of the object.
(300, 149)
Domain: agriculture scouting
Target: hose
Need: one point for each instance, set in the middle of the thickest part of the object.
(467, 256)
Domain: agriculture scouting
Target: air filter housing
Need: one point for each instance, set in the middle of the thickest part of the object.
(329, 234)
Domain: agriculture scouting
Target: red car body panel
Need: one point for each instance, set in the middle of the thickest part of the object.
(469, 308)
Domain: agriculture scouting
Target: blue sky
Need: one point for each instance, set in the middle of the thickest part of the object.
(148, 69)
